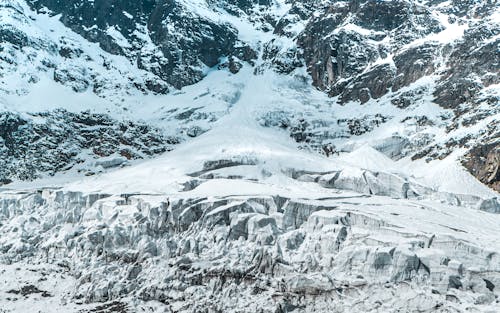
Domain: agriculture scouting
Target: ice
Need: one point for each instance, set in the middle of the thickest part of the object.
(240, 217)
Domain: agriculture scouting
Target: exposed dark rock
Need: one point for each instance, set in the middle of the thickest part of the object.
(414, 63)
(390, 15)
(467, 8)
(335, 56)
(157, 86)
(298, 131)
(359, 126)
(81, 16)
(182, 46)
(489, 285)
(330, 59)
(454, 282)
(29, 290)
(111, 307)
(76, 78)
(373, 84)
(483, 162)
(237, 7)
(283, 61)
(408, 98)
(300, 11)
(28, 148)
(201, 42)
(472, 65)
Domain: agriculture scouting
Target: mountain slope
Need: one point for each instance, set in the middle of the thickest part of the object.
(383, 72)
(249, 156)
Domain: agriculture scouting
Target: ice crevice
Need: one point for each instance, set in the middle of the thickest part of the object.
(279, 251)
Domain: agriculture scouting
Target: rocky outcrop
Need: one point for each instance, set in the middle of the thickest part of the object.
(335, 59)
(407, 53)
(472, 66)
(234, 236)
(186, 44)
(372, 85)
(165, 38)
(48, 143)
(484, 163)
(346, 39)
(64, 54)
(414, 63)
(373, 52)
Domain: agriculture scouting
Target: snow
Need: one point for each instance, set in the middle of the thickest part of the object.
(15, 276)
(237, 102)
(366, 157)
(237, 135)
(54, 96)
(495, 17)
(246, 30)
(46, 29)
(128, 15)
(262, 162)
(451, 32)
(358, 29)
(118, 37)
(447, 176)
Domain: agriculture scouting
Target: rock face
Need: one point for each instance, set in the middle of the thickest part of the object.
(62, 56)
(244, 254)
(47, 143)
(166, 38)
(371, 52)
(484, 163)
(349, 37)
(201, 43)
(472, 66)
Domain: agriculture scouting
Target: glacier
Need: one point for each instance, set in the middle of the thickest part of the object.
(249, 156)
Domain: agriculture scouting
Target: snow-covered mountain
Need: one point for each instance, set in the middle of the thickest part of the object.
(249, 156)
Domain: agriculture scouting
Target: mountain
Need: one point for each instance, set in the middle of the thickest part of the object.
(249, 156)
